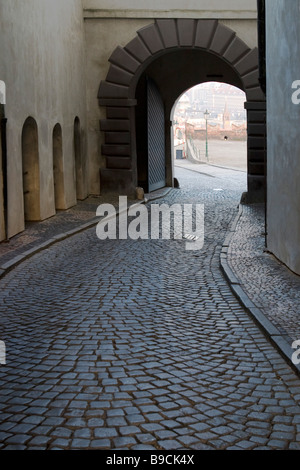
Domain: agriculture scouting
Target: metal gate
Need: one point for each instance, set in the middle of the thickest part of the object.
(156, 138)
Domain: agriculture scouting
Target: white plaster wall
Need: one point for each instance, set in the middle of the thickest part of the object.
(283, 68)
(171, 8)
(42, 62)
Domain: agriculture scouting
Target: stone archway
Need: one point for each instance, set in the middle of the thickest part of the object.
(205, 48)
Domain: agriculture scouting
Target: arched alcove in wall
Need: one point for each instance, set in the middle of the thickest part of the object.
(78, 159)
(58, 167)
(31, 171)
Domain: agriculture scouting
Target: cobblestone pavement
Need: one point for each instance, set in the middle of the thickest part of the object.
(270, 285)
(41, 232)
(123, 344)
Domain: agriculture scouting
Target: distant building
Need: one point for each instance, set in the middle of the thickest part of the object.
(183, 104)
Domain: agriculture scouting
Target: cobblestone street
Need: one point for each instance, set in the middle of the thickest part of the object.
(123, 344)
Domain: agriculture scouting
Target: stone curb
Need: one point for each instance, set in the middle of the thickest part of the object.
(14, 262)
(270, 331)
(11, 264)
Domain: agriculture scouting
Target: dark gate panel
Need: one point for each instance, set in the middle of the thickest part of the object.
(156, 138)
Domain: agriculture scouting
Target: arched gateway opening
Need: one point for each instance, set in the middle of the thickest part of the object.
(145, 79)
(210, 126)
